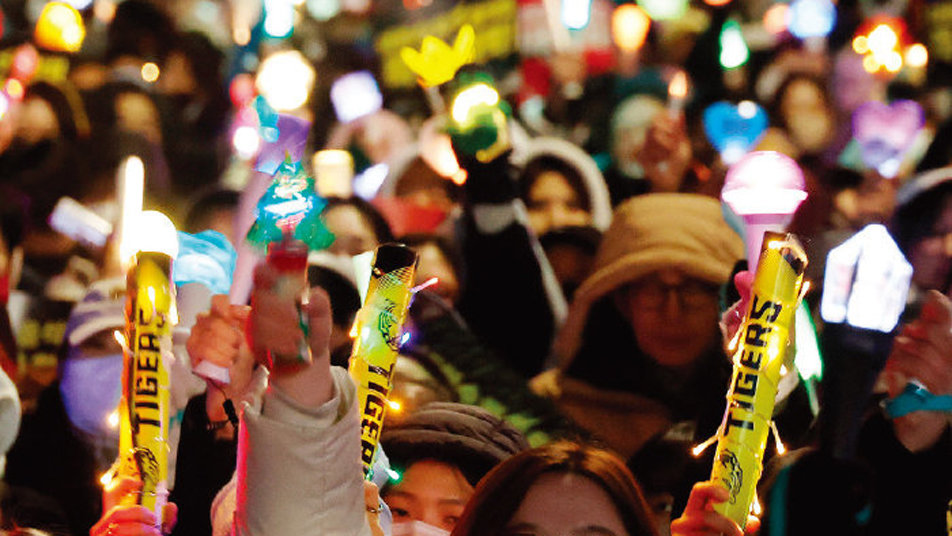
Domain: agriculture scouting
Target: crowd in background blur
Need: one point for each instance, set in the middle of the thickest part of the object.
(581, 277)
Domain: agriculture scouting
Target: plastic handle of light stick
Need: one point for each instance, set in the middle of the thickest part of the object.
(144, 411)
(378, 327)
(743, 437)
(755, 225)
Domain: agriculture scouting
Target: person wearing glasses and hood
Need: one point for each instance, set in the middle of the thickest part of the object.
(641, 349)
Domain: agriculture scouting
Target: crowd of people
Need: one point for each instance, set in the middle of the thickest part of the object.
(567, 349)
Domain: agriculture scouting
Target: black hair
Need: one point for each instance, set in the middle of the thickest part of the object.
(916, 219)
(140, 29)
(370, 214)
(549, 162)
(447, 248)
(206, 203)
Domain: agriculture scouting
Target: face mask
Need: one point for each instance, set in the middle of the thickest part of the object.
(417, 528)
(90, 389)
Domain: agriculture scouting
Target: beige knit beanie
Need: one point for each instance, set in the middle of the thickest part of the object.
(652, 233)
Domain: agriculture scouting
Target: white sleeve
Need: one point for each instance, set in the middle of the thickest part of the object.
(299, 469)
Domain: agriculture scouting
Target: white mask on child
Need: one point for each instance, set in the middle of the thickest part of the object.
(416, 528)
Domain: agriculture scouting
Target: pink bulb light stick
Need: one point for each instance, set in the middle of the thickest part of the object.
(764, 188)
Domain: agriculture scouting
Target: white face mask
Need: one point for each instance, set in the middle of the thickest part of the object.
(416, 528)
(90, 388)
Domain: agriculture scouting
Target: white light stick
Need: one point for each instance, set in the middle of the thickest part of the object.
(131, 179)
(764, 188)
(866, 282)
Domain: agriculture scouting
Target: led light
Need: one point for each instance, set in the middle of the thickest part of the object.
(150, 72)
(678, 88)
(246, 142)
(60, 28)
(355, 95)
(131, 188)
(112, 420)
(278, 18)
(155, 232)
(576, 13)
(469, 98)
(630, 26)
(860, 44)
(323, 10)
(734, 51)
(285, 80)
(917, 56)
(394, 475)
(866, 281)
(811, 18)
(664, 9)
(775, 18)
(394, 405)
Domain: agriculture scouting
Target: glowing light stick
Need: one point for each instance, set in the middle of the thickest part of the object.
(131, 179)
(378, 334)
(734, 129)
(436, 62)
(734, 51)
(764, 188)
(576, 13)
(206, 259)
(811, 21)
(334, 169)
(677, 93)
(478, 120)
(880, 42)
(630, 26)
(885, 133)
(758, 359)
(288, 225)
(864, 292)
(144, 406)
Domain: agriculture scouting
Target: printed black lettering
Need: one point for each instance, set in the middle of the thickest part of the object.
(147, 386)
(755, 335)
(751, 359)
(149, 341)
(373, 404)
(746, 385)
(776, 312)
(757, 311)
(739, 423)
(148, 361)
(370, 428)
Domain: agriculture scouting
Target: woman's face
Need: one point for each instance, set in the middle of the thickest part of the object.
(808, 119)
(429, 491)
(931, 256)
(674, 317)
(432, 263)
(566, 504)
(553, 203)
(352, 234)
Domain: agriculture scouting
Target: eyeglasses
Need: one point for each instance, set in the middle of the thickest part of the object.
(652, 294)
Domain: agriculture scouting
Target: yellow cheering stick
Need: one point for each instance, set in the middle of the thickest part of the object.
(378, 333)
(763, 337)
(144, 407)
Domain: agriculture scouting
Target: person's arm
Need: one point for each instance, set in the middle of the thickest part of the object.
(299, 469)
(510, 296)
(700, 519)
(923, 352)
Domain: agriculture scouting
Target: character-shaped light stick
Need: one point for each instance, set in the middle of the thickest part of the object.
(764, 188)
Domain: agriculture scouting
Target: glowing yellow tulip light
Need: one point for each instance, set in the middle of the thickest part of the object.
(436, 62)
(60, 28)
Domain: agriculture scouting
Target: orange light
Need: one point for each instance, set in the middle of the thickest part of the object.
(717, 2)
(150, 72)
(630, 26)
(870, 64)
(678, 88)
(775, 19)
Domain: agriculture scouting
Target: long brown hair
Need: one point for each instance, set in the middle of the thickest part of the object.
(499, 494)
